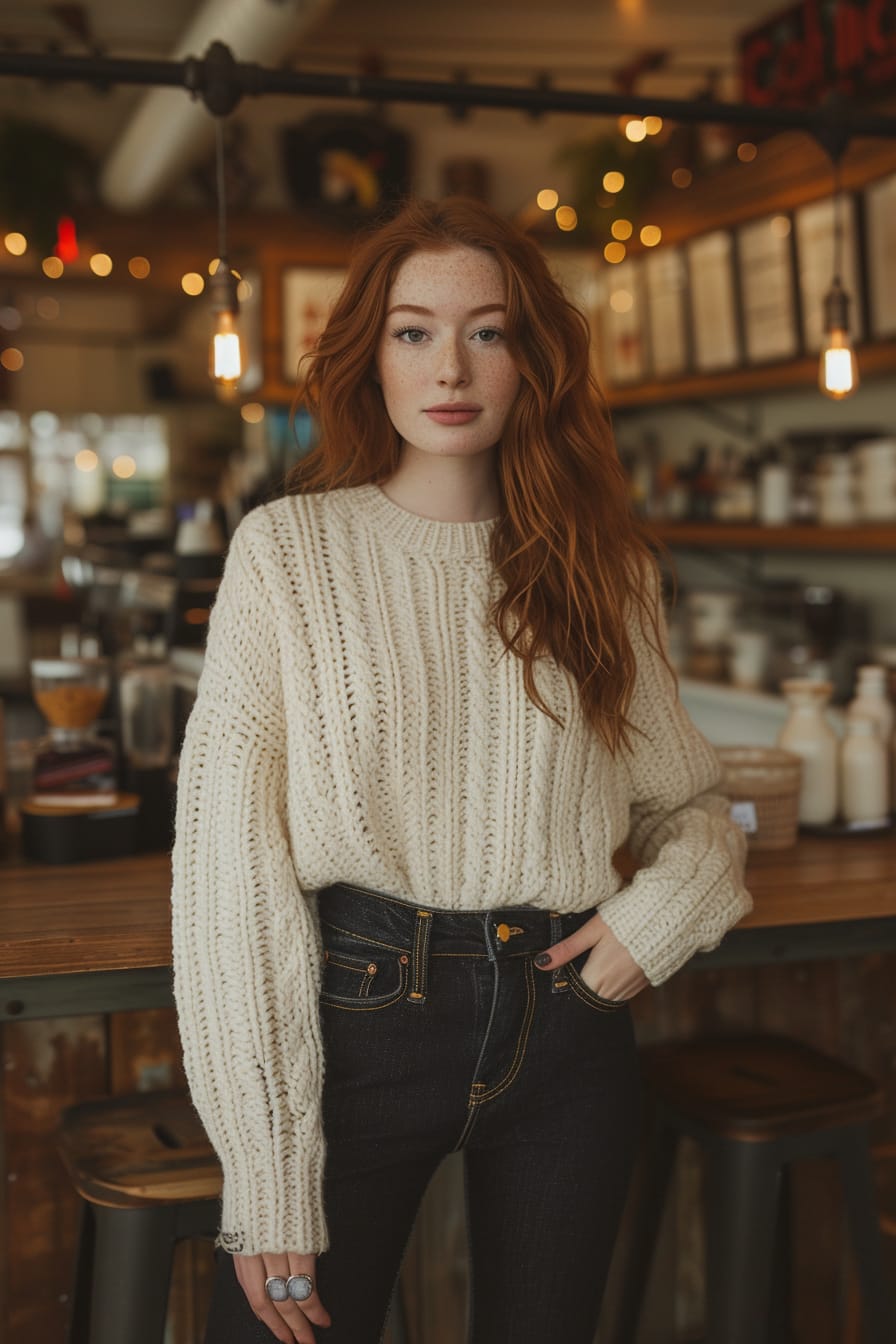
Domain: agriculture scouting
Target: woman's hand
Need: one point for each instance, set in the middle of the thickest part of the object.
(289, 1321)
(609, 971)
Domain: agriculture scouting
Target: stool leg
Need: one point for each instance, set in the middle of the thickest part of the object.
(133, 1253)
(653, 1187)
(741, 1206)
(78, 1321)
(878, 1315)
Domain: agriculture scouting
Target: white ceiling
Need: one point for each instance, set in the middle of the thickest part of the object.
(578, 43)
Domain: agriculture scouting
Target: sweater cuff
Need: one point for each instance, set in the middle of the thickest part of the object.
(661, 930)
(275, 1210)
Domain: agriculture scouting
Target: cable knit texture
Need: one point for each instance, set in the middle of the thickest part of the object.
(359, 720)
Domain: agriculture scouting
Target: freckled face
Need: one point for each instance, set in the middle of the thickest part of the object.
(447, 376)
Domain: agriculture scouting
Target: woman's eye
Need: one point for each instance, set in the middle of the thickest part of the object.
(488, 335)
(410, 335)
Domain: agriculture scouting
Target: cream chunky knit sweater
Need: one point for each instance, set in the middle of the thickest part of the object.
(358, 720)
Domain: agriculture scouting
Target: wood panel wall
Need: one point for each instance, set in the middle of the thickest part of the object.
(844, 1007)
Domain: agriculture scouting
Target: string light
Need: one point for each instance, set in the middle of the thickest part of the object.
(547, 199)
(838, 372)
(613, 182)
(566, 218)
(16, 244)
(225, 354)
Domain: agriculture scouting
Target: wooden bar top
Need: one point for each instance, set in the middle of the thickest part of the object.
(114, 915)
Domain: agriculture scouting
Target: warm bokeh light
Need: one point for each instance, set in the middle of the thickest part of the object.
(10, 318)
(682, 177)
(613, 182)
(252, 412)
(215, 263)
(139, 267)
(651, 235)
(16, 244)
(86, 460)
(780, 226)
(101, 263)
(622, 229)
(123, 466)
(12, 359)
(621, 300)
(547, 199)
(653, 125)
(747, 152)
(47, 308)
(614, 252)
(566, 218)
(636, 130)
(192, 283)
(52, 267)
(244, 291)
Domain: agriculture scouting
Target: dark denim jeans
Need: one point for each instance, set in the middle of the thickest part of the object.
(440, 1035)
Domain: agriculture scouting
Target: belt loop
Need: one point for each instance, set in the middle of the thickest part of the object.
(559, 979)
(420, 957)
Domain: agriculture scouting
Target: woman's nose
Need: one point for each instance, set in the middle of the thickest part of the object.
(453, 368)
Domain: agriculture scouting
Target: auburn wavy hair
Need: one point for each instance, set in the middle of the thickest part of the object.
(575, 560)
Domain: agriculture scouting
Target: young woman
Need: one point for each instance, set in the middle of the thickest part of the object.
(434, 704)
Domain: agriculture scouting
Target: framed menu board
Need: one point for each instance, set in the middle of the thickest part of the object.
(767, 289)
(713, 293)
(880, 223)
(815, 258)
(665, 291)
(624, 343)
(308, 295)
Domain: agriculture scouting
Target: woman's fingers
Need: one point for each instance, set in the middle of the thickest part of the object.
(312, 1306)
(610, 969)
(558, 954)
(285, 1318)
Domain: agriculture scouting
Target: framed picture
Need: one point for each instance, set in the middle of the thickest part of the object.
(308, 295)
(815, 250)
(578, 274)
(880, 228)
(665, 293)
(622, 321)
(768, 289)
(714, 314)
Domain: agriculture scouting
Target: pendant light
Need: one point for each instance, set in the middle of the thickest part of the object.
(838, 372)
(225, 355)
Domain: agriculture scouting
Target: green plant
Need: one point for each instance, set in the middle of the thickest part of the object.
(590, 160)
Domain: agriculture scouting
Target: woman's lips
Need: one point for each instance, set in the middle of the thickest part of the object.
(460, 415)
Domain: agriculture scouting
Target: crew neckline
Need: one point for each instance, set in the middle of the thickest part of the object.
(413, 532)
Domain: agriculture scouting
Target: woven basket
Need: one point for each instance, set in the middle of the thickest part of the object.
(763, 784)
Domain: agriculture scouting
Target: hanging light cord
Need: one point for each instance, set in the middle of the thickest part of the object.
(221, 190)
(838, 224)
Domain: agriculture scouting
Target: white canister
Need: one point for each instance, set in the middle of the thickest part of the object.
(864, 786)
(748, 658)
(774, 489)
(872, 700)
(808, 734)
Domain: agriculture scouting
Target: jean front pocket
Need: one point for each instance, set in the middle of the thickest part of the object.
(361, 976)
(588, 995)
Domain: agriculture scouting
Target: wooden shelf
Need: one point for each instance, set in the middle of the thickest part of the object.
(875, 361)
(874, 537)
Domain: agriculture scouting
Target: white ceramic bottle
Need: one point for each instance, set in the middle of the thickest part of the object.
(808, 733)
(864, 782)
(873, 701)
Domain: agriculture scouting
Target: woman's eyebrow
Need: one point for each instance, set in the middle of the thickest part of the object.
(427, 312)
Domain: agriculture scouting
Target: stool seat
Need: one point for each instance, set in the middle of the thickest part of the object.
(759, 1087)
(755, 1104)
(137, 1150)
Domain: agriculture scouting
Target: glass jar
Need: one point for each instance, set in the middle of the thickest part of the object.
(808, 734)
(72, 764)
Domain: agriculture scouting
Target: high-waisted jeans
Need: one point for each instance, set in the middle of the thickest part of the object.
(441, 1035)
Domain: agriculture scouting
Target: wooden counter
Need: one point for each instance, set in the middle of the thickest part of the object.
(105, 926)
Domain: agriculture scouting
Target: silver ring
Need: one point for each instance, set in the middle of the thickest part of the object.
(276, 1288)
(299, 1287)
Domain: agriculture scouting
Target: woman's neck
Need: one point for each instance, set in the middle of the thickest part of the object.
(450, 490)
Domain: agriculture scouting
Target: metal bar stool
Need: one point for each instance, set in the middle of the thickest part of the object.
(148, 1178)
(754, 1104)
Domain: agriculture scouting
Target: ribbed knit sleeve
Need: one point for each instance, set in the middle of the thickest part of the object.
(247, 953)
(690, 890)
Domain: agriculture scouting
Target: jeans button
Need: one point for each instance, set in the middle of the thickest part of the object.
(503, 932)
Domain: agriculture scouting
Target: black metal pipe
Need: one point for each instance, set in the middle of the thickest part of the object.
(198, 76)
